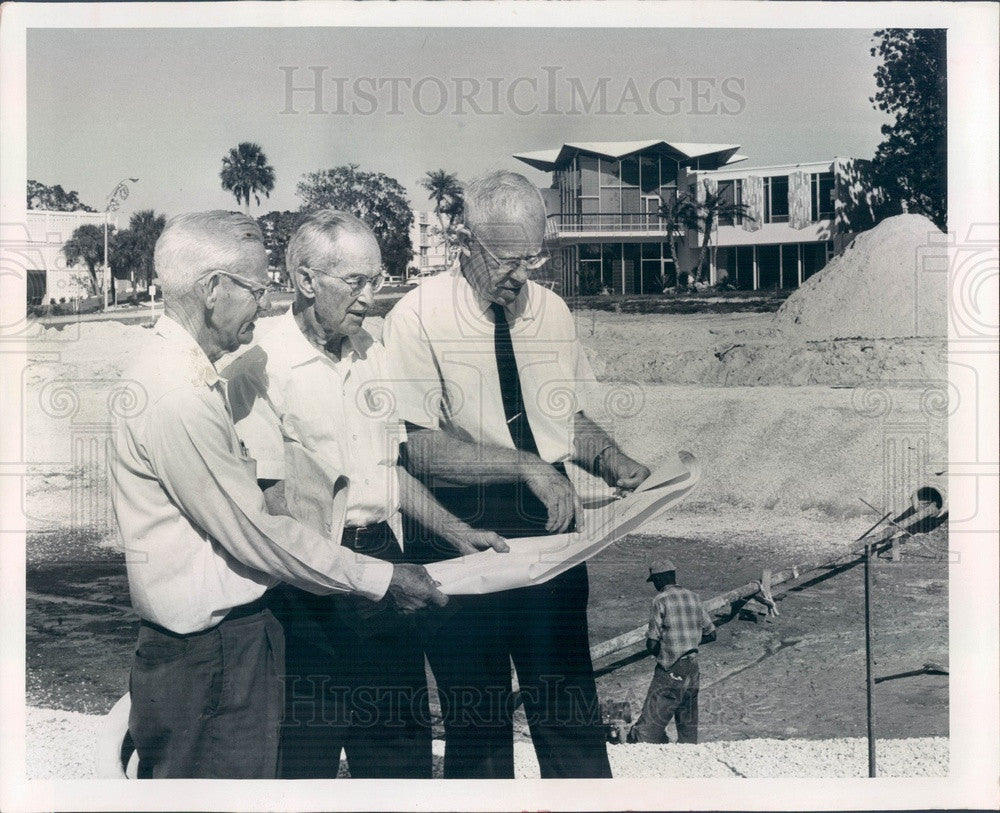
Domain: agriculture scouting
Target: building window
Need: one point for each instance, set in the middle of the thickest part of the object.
(588, 176)
(823, 195)
(776, 199)
(813, 258)
(732, 195)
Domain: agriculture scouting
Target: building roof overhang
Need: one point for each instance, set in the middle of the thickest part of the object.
(707, 156)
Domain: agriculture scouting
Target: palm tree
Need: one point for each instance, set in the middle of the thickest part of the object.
(714, 207)
(446, 192)
(245, 172)
(680, 214)
(133, 248)
(687, 213)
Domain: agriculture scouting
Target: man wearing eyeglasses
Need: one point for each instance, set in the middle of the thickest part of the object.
(206, 681)
(317, 379)
(490, 357)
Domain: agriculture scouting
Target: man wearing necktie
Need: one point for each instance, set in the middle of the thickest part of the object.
(492, 359)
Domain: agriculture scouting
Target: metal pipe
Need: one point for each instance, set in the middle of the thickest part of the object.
(869, 661)
(908, 518)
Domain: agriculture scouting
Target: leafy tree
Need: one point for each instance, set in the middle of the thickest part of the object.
(126, 257)
(132, 254)
(86, 245)
(245, 172)
(277, 228)
(375, 198)
(911, 165)
(54, 198)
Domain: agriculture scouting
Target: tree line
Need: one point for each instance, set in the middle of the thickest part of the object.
(378, 199)
(910, 168)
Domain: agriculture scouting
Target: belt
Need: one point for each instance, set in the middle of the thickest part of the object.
(368, 537)
(242, 611)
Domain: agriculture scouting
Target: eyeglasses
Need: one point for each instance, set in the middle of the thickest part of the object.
(511, 264)
(259, 291)
(356, 282)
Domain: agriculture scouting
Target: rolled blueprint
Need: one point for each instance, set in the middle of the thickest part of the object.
(536, 559)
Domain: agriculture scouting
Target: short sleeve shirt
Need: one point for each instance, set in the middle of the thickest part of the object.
(440, 344)
(677, 620)
(341, 411)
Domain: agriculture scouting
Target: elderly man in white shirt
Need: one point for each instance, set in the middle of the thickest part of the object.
(316, 378)
(202, 549)
(492, 358)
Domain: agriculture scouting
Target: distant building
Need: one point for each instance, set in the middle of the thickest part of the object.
(606, 234)
(429, 251)
(38, 244)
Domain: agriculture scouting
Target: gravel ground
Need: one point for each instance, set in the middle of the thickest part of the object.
(60, 745)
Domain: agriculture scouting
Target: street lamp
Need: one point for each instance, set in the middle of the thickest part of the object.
(118, 194)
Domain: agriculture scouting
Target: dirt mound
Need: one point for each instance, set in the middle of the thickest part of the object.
(889, 283)
(762, 359)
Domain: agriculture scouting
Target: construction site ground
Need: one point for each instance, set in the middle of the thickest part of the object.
(799, 675)
(785, 461)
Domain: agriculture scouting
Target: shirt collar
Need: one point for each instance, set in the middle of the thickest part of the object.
(297, 349)
(520, 308)
(186, 350)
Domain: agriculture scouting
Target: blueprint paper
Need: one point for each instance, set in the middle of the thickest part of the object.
(536, 559)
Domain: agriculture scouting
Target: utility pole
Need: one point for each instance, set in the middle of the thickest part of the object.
(118, 194)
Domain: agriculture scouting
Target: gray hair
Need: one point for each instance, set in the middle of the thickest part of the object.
(315, 240)
(195, 243)
(501, 198)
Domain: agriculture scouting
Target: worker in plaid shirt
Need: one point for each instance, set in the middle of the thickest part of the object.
(678, 624)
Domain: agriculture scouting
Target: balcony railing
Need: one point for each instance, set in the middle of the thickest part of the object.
(564, 225)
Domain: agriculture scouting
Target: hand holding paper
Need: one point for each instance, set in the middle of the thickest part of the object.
(534, 560)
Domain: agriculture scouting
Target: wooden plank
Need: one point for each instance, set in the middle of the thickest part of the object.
(911, 517)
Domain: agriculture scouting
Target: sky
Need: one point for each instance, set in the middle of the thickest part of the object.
(165, 105)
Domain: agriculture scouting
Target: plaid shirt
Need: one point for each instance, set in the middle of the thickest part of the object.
(678, 621)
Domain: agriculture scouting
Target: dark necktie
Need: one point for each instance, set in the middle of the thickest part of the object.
(510, 383)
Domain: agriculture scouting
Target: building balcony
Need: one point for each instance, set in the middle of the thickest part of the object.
(574, 227)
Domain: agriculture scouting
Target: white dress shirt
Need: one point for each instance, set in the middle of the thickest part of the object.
(197, 536)
(439, 339)
(343, 411)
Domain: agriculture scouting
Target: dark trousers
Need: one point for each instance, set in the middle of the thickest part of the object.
(543, 629)
(355, 682)
(208, 705)
(673, 694)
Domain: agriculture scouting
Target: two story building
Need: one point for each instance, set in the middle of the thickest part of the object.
(606, 232)
(430, 254)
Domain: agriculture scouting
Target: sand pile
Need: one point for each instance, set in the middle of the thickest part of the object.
(889, 283)
(84, 352)
(60, 745)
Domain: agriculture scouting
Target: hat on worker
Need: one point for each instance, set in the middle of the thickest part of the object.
(660, 566)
